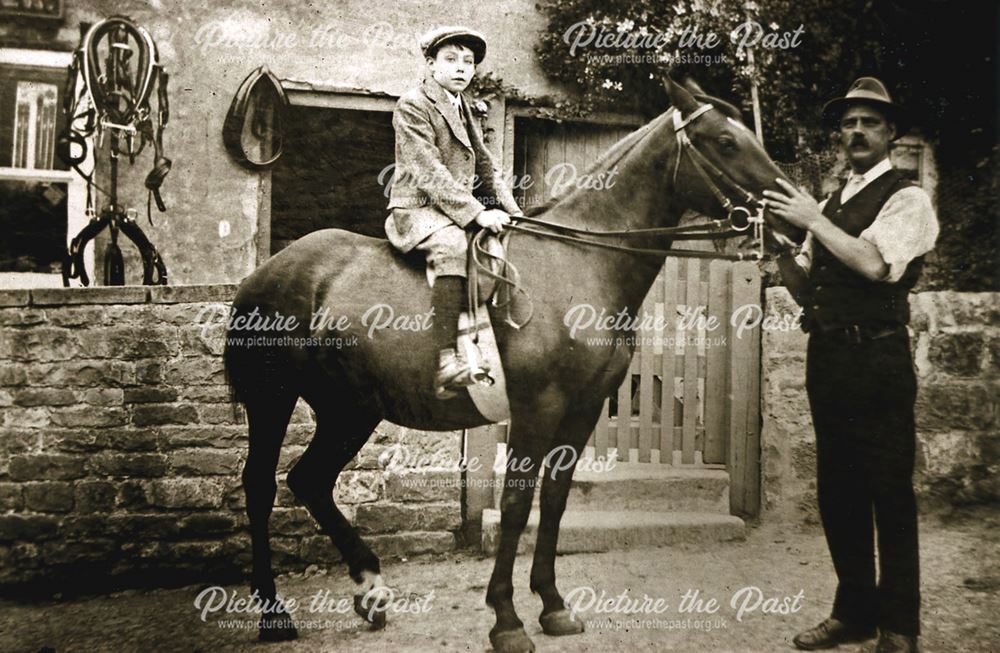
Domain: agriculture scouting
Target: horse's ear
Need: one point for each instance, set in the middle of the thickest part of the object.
(680, 97)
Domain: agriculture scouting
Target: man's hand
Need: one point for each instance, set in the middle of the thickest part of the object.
(493, 219)
(801, 210)
(794, 206)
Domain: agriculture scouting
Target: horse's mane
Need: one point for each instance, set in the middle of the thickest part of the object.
(620, 149)
(611, 156)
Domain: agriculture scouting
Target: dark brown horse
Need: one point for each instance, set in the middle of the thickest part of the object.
(556, 384)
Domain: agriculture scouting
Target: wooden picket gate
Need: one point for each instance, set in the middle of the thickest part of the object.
(692, 397)
(688, 386)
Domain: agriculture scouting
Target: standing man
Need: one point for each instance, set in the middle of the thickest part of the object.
(862, 256)
(445, 183)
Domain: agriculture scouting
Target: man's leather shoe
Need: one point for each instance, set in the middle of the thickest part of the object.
(890, 642)
(453, 374)
(830, 633)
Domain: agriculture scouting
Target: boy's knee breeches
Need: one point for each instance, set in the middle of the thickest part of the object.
(446, 251)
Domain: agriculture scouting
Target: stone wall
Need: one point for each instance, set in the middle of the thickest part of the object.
(956, 346)
(120, 453)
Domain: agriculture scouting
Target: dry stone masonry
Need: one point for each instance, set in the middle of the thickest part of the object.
(956, 349)
(121, 454)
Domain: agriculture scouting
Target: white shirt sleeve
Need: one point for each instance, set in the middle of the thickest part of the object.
(805, 256)
(904, 229)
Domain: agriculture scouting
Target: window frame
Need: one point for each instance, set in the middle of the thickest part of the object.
(76, 200)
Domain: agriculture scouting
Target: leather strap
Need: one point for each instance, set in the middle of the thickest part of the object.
(687, 232)
(702, 165)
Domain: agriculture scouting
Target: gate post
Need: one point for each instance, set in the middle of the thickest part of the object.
(744, 397)
(478, 479)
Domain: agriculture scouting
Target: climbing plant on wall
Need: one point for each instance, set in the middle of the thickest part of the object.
(614, 53)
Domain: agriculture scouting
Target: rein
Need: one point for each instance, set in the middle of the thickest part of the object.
(509, 278)
(688, 232)
(707, 170)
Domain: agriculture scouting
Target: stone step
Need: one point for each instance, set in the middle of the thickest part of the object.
(646, 487)
(592, 531)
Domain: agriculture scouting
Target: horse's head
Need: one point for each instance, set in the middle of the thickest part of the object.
(725, 167)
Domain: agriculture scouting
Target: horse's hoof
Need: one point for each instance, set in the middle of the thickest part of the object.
(560, 622)
(373, 614)
(277, 627)
(512, 641)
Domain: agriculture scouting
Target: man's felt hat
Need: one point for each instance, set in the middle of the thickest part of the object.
(434, 39)
(870, 91)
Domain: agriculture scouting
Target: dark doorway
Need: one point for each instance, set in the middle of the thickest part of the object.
(334, 173)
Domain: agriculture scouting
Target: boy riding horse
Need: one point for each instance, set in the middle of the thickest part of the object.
(440, 160)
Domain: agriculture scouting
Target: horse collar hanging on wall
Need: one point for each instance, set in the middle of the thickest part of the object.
(252, 131)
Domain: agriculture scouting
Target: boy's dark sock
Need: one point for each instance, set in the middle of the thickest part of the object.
(446, 296)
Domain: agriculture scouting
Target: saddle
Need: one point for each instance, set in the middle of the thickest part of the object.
(490, 278)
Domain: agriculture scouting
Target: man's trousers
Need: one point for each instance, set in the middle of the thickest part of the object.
(862, 400)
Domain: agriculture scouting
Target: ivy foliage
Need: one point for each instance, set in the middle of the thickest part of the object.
(938, 58)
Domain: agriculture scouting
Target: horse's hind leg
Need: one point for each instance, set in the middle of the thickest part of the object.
(341, 430)
(573, 432)
(267, 418)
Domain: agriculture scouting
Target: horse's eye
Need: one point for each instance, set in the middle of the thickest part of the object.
(727, 143)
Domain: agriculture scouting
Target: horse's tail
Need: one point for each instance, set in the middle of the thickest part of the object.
(230, 365)
(234, 367)
(241, 359)
(252, 371)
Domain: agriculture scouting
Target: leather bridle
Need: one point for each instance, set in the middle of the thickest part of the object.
(508, 275)
(706, 170)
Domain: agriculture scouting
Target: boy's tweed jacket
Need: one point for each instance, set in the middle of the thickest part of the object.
(444, 172)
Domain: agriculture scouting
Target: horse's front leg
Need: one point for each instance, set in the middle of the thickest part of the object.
(572, 434)
(524, 453)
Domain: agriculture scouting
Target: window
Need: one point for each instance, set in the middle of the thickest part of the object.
(42, 203)
(34, 125)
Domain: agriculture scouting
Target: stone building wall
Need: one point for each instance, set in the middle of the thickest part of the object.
(120, 453)
(956, 347)
(208, 49)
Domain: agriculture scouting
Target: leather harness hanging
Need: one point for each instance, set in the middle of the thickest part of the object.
(102, 91)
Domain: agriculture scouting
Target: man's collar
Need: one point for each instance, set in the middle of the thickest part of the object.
(876, 171)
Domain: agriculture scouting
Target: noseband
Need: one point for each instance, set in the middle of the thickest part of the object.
(707, 170)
